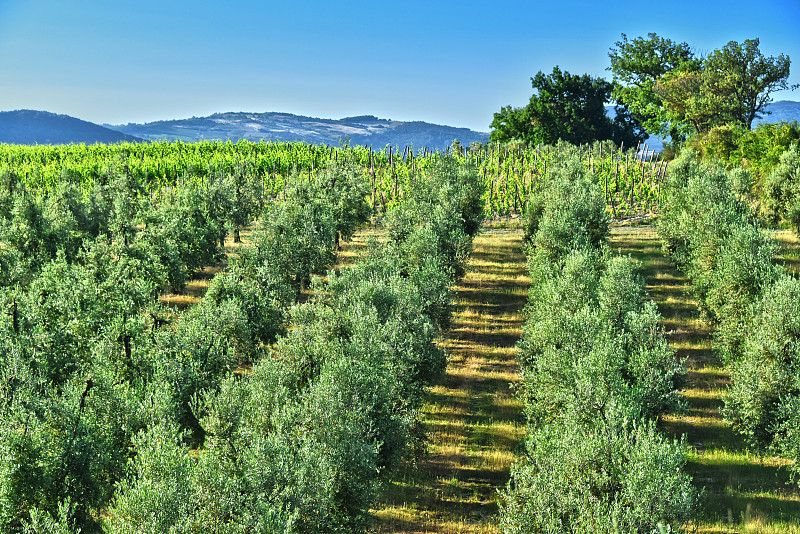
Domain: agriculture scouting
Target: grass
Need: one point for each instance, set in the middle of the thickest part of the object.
(745, 492)
(472, 420)
(790, 250)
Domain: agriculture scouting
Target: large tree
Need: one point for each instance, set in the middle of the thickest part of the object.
(746, 78)
(637, 65)
(732, 86)
(672, 92)
(566, 107)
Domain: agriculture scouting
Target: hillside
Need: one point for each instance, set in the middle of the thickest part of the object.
(29, 127)
(42, 127)
(272, 126)
(783, 110)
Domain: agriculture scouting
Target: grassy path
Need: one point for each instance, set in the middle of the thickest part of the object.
(472, 419)
(745, 492)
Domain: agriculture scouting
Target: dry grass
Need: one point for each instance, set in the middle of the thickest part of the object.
(790, 250)
(472, 420)
(744, 492)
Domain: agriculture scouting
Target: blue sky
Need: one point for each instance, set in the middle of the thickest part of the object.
(444, 62)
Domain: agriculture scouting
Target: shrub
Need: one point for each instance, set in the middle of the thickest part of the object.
(763, 377)
(615, 476)
(569, 212)
(782, 190)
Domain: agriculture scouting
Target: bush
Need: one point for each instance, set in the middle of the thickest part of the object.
(615, 476)
(346, 190)
(568, 213)
(782, 190)
(713, 237)
(592, 343)
(596, 374)
(764, 377)
(297, 239)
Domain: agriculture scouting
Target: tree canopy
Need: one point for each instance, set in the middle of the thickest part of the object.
(568, 107)
(637, 66)
(746, 79)
(673, 92)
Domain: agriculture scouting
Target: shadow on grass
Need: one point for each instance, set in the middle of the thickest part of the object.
(733, 478)
(472, 420)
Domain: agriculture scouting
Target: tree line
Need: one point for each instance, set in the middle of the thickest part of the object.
(659, 87)
(711, 231)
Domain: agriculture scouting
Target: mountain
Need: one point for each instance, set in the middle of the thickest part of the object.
(362, 130)
(783, 110)
(41, 127)
(28, 127)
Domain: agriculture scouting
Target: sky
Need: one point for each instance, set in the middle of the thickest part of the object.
(445, 62)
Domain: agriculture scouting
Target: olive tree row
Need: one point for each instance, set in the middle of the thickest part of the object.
(750, 300)
(596, 373)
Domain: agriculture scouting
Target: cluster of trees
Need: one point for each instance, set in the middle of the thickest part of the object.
(248, 411)
(88, 356)
(660, 87)
(596, 374)
(567, 107)
(709, 228)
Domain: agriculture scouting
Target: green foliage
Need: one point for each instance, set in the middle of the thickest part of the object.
(245, 412)
(782, 190)
(570, 211)
(732, 87)
(745, 79)
(181, 235)
(596, 374)
(672, 92)
(760, 149)
(592, 344)
(566, 107)
(764, 374)
(299, 443)
(59, 444)
(439, 216)
(753, 302)
(346, 190)
(615, 476)
(297, 240)
(637, 65)
(714, 238)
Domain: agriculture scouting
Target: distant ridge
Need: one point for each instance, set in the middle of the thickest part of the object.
(29, 127)
(782, 110)
(274, 126)
(41, 127)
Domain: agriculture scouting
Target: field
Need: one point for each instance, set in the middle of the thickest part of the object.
(474, 424)
(355, 343)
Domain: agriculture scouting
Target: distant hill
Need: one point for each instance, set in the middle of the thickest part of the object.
(28, 127)
(41, 127)
(783, 110)
(271, 126)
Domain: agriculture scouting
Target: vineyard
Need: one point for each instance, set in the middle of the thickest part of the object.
(511, 173)
(304, 386)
